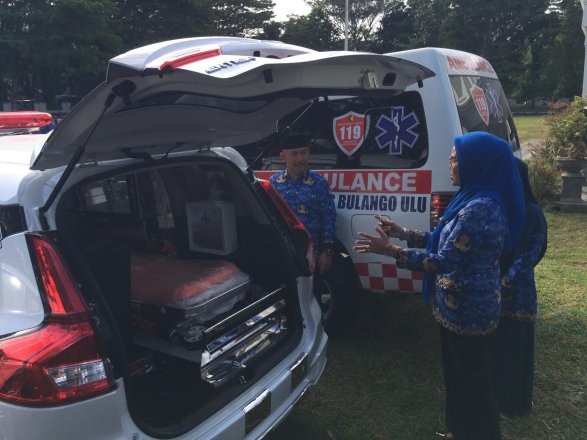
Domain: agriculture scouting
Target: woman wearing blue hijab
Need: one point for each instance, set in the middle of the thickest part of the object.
(462, 274)
(514, 365)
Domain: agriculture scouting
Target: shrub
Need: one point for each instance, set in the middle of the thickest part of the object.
(544, 179)
(567, 131)
(542, 151)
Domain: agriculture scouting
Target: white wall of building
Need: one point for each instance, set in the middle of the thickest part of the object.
(584, 26)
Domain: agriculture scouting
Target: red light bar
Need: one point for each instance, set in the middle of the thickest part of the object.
(24, 119)
(189, 58)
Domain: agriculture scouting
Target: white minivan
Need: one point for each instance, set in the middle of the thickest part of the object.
(151, 287)
(389, 155)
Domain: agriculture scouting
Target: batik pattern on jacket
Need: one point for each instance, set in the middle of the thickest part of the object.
(467, 282)
(518, 295)
(310, 199)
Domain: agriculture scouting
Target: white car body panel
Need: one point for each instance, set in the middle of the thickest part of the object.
(106, 133)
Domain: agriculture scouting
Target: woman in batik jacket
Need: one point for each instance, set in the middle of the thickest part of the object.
(514, 364)
(462, 275)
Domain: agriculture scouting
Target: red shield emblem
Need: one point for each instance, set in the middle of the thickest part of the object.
(480, 101)
(349, 131)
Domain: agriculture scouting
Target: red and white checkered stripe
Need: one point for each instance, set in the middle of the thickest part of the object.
(381, 277)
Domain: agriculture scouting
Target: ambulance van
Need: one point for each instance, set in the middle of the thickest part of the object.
(389, 156)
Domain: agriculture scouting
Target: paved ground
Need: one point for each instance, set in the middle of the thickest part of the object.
(526, 147)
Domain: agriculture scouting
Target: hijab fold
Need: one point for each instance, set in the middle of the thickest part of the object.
(487, 168)
(535, 220)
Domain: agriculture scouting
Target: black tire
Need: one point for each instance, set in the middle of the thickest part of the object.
(338, 293)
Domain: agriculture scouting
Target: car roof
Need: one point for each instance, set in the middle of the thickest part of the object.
(457, 62)
(132, 114)
(16, 153)
(19, 148)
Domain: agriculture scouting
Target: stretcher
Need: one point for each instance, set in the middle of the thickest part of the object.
(177, 299)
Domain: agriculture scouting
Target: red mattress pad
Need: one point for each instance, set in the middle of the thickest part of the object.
(159, 279)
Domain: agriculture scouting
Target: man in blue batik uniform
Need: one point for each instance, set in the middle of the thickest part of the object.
(308, 195)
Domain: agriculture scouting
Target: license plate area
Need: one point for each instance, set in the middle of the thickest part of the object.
(257, 411)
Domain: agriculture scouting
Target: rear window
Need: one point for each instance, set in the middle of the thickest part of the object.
(148, 208)
(360, 133)
(482, 106)
(180, 98)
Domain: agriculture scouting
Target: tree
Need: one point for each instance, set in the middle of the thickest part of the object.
(55, 46)
(396, 30)
(363, 19)
(241, 18)
(429, 16)
(559, 66)
(148, 21)
(50, 47)
(512, 34)
(314, 30)
(74, 59)
(14, 48)
(271, 31)
(500, 31)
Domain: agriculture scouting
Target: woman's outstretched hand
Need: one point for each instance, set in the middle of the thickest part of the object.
(391, 228)
(377, 244)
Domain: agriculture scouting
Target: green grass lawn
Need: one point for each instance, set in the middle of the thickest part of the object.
(530, 127)
(383, 379)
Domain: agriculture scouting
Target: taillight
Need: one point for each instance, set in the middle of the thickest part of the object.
(24, 119)
(291, 219)
(60, 362)
(57, 364)
(438, 203)
(189, 58)
(61, 290)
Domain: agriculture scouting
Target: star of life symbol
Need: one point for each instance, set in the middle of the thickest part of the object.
(493, 101)
(396, 130)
